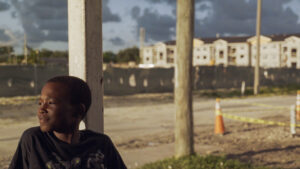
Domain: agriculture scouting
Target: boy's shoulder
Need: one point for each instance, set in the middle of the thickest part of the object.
(88, 134)
(30, 134)
(33, 131)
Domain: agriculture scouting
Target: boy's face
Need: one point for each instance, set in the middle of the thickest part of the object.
(55, 112)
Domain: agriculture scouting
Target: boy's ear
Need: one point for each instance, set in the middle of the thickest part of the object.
(82, 110)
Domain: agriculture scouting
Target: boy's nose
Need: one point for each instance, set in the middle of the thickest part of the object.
(42, 107)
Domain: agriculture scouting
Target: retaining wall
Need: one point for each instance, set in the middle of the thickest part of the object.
(28, 80)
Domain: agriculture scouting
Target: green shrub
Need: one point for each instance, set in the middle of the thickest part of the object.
(200, 162)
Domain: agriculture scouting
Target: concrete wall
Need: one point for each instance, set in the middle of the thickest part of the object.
(28, 80)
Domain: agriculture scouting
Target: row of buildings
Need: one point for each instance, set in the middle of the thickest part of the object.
(276, 51)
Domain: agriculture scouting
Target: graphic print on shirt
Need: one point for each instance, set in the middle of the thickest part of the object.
(91, 161)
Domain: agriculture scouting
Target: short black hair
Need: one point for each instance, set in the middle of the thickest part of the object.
(78, 90)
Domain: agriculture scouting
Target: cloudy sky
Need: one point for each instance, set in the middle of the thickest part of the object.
(45, 21)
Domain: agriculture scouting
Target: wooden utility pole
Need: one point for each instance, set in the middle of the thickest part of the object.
(142, 40)
(25, 50)
(9, 54)
(184, 143)
(256, 71)
(85, 53)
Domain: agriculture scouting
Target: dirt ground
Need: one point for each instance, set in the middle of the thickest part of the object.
(270, 146)
(265, 145)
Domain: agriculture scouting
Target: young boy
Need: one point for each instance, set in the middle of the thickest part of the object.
(57, 143)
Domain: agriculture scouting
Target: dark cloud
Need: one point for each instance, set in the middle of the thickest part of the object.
(158, 27)
(117, 41)
(43, 20)
(4, 6)
(3, 36)
(47, 20)
(135, 12)
(239, 17)
(172, 2)
(233, 17)
(108, 16)
(203, 7)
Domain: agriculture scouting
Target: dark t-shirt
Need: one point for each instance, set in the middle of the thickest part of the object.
(43, 150)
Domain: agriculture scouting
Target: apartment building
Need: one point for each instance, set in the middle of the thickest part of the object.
(290, 52)
(276, 51)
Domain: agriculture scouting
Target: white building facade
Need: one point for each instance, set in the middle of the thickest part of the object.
(291, 52)
(202, 53)
(276, 51)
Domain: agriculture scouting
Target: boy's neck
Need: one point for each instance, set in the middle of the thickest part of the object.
(70, 138)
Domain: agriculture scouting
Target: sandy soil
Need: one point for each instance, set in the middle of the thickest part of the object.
(265, 145)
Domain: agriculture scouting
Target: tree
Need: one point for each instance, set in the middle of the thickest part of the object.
(5, 54)
(6, 50)
(45, 53)
(109, 56)
(36, 56)
(129, 54)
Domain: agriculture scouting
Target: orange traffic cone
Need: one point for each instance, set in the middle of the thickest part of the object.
(298, 106)
(219, 123)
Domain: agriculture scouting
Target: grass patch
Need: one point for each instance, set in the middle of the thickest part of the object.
(264, 91)
(200, 162)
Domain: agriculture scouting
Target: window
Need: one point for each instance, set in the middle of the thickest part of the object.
(232, 60)
(147, 58)
(284, 49)
(242, 56)
(294, 52)
(198, 57)
(161, 56)
(170, 60)
(233, 50)
(221, 54)
(204, 57)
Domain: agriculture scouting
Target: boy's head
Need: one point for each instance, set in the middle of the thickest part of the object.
(78, 90)
(64, 102)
